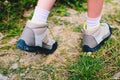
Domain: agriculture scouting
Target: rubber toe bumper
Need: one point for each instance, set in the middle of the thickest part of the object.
(23, 46)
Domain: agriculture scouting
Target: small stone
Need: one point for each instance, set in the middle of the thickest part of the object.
(2, 77)
(21, 60)
(1, 36)
(116, 76)
(14, 66)
(113, 37)
(6, 2)
(22, 74)
(12, 42)
(89, 53)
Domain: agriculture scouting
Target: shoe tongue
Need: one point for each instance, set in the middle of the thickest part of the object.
(34, 25)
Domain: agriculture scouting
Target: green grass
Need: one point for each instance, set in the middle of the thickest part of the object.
(85, 68)
(75, 4)
(3, 70)
(61, 11)
(108, 1)
(77, 28)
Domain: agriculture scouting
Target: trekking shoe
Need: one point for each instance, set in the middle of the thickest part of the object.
(93, 39)
(39, 43)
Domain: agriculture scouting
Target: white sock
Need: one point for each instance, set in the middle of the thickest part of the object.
(92, 22)
(40, 15)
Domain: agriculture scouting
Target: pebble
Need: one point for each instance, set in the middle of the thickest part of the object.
(2, 77)
(117, 76)
(14, 66)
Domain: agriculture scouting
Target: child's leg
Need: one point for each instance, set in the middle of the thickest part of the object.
(94, 8)
(94, 13)
(46, 4)
(95, 33)
(34, 38)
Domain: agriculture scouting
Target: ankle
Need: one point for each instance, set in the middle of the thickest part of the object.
(93, 22)
(40, 15)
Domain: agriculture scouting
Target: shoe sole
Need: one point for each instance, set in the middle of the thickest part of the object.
(35, 49)
(86, 48)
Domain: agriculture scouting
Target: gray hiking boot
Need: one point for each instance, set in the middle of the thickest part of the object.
(93, 39)
(36, 42)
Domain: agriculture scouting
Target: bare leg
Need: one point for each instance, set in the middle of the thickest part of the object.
(94, 8)
(46, 4)
(94, 13)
